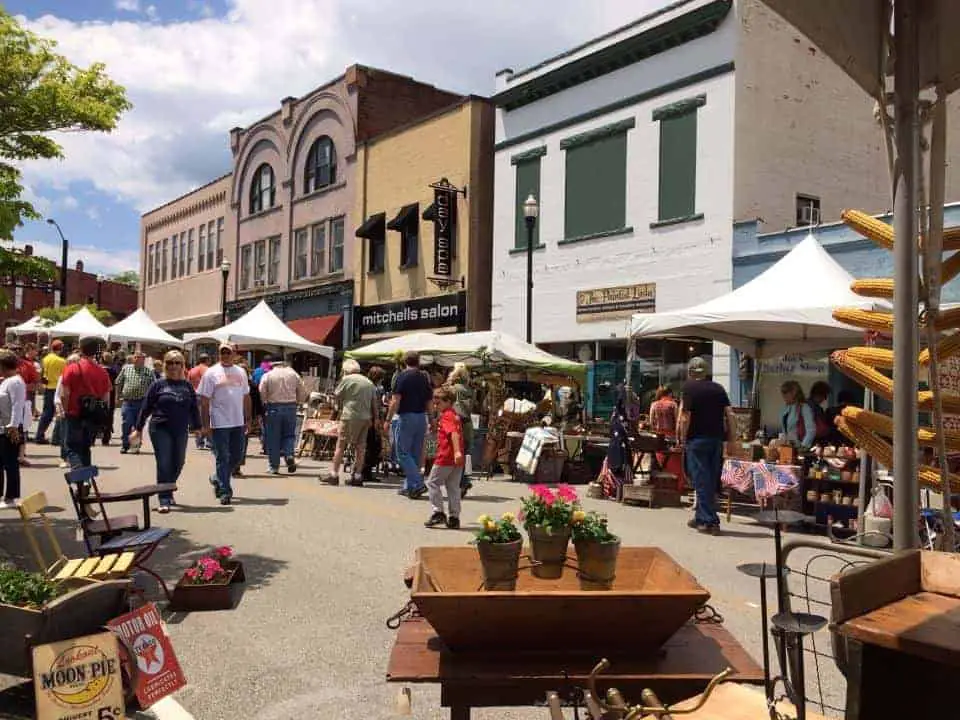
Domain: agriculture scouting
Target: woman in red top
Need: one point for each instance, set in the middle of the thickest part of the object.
(663, 414)
(447, 463)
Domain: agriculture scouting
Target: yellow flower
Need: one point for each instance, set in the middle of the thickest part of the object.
(579, 516)
(508, 517)
(484, 519)
(489, 526)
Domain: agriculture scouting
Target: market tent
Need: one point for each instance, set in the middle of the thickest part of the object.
(260, 327)
(787, 308)
(81, 324)
(140, 327)
(475, 348)
(34, 325)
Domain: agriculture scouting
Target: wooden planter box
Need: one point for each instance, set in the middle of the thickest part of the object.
(83, 611)
(188, 597)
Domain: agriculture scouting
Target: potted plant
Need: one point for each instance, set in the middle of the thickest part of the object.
(547, 515)
(206, 585)
(499, 544)
(35, 610)
(597, 550)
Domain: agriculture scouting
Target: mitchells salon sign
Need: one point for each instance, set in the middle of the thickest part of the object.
(429, 313)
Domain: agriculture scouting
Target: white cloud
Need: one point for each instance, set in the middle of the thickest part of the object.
(127, 5)
(94, 259)
(191, 81)
(68, 202)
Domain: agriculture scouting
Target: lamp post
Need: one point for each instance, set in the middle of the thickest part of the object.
(64, 245)
(530, 212)
(100, 279)
(224, 271)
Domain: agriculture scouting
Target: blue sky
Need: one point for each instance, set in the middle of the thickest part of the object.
(196, 68)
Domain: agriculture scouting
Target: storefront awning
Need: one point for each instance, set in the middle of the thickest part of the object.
(323, 330)
(430, 214)
(407, 214)
(373, 227)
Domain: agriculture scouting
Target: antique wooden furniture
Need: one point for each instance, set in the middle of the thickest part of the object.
(650, 599)
(898, 626)
(732, 701)
(510, 677)
(112, 565)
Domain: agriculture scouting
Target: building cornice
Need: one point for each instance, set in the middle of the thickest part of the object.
(673, 33)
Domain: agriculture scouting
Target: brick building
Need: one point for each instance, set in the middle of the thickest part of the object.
(26, 297)
(288, 219)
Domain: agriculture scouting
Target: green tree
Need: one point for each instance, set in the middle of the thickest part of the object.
(41, 92)
(128, 277)
(58, 315)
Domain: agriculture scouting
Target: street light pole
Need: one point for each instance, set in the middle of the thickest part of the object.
(64, 246)
(224, 271)
(530, 212)
(100, 279)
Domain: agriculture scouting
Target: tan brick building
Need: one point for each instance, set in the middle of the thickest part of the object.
(183, 245)
(424, 218)
(286, 210)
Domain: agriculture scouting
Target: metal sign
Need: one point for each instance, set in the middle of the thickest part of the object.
(159, 671)
(79, 678)
(444, 229)
(611, 302)
(429, 313)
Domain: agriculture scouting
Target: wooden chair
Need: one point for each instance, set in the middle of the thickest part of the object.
(105, 567)
(84, 493)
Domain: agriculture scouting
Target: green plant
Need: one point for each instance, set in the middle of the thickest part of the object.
(26, 589)
(503, 530)
(549, 509)
(591, 527)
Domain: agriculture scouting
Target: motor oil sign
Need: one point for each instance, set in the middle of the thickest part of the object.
(158, 671)
(79, 679)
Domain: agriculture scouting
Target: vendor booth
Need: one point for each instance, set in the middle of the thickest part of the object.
(34, 326)
(139, 327)
(82, 324)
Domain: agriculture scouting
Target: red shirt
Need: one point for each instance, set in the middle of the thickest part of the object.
(195, 375)
(448, 425)
(83, 379)
(28, 371)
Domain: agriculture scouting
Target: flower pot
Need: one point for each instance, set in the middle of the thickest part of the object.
(549, 551)
(597, 564)
(499, 563)
(188, 596)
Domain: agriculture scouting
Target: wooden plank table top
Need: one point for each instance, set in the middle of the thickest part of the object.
(926, 625)
(683, 667)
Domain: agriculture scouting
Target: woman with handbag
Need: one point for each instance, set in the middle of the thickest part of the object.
(13, 397)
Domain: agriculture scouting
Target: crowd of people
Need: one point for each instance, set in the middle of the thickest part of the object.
(422, 421)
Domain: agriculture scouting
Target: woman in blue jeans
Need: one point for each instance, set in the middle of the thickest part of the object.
(171, 404)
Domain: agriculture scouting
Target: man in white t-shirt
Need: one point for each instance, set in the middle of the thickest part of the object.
(225, 412)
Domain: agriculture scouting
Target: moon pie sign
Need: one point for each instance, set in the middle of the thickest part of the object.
(78, 679)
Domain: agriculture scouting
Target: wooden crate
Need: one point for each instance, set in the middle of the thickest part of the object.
(652, 596)
(660, 491)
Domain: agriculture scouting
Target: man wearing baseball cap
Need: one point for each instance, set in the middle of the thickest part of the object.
(705, 420)
(52, 366)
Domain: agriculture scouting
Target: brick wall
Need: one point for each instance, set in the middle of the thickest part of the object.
(387, 101)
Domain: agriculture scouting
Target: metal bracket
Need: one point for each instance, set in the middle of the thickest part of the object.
(447, 282)
(446, 185)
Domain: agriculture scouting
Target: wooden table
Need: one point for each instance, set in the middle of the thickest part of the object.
(141, 492)
(682, 669)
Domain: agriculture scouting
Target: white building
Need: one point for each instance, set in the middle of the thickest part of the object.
(642, 147)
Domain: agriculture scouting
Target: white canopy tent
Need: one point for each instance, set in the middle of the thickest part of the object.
(34, 325)
(260, 327)
(81, 324)
(788, 308)
(139, 327)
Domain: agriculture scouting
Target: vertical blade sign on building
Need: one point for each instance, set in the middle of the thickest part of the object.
(444, 227)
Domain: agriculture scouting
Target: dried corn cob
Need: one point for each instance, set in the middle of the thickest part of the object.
(930, 477)
(882, 425)
(950, 268)
(879, 320)
(873, 287)
(950, 403)
(879, 358)
(863, 374)
(869, 227)
(947, 347)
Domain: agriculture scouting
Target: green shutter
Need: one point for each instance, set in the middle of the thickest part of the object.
(528, 183)
(678, 166)
(596, 186)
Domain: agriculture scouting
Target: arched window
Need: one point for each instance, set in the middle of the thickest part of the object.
(263, 190)
(321, 169)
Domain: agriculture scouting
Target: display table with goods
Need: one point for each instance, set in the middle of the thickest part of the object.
(503, 625)
(831, 488)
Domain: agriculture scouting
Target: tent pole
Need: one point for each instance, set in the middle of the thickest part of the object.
(906, 287)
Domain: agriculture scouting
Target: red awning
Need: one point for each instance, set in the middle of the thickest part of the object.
(322, 330)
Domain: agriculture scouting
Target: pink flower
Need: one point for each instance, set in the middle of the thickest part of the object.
(209, 573)
(567, 493)
(192, 574)
(549, 499)
(541, 491)
(225, 551)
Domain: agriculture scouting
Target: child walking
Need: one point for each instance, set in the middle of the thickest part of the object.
(447, 463)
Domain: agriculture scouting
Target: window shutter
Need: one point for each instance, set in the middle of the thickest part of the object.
(678, 166)
(528, 183)
(596, 186)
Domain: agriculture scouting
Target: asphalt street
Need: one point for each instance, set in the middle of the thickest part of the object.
(324, 570)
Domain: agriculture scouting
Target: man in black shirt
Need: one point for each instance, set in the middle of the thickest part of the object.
(705, 420)
(410, 402)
